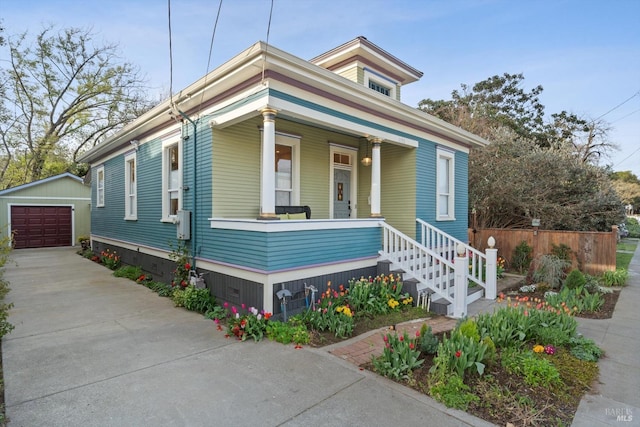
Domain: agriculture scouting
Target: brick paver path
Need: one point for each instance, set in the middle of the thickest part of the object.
(360, 351)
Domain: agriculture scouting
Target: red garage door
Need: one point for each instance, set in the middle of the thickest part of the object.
(41, 226)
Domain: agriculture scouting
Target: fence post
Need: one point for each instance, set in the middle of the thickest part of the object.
(461, 268)
(491, 289)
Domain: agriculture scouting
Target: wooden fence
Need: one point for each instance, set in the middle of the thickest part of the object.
(592, 252)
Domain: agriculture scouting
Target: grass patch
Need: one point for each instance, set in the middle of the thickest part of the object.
(627, 245)
(623, 260)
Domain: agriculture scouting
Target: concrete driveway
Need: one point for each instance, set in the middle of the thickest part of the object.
(90, 349)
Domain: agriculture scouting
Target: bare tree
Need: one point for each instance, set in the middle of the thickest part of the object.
(59, 96)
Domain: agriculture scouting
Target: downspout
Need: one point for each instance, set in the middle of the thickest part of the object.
(194, 228)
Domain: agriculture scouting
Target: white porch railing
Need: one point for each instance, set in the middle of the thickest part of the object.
(482, 267)
(442, 266)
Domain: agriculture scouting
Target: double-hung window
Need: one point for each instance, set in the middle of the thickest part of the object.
(445, 184)
(100, 187)
(171, 179)
(287, 168)
(130, 188)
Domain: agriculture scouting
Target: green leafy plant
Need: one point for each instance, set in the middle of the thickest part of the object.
(522, 257)
(399, 357)
(332, 313)
(614, 278)
(578, 300)
(575, 279)
(562, 251)
(182, 258)
(244, 322)
(460, 353)
(193, 299)
(5, 251)
(584, 349)
(550, 270)
(129, 272)
(376, 295)
(110, 259)
(428, 341)
(536, 371)
(288, 332)
(453, 392)
(162, 289)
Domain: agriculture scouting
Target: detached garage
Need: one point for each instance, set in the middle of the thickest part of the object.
(54, 211)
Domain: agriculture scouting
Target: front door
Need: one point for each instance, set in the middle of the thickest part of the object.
(341, 194)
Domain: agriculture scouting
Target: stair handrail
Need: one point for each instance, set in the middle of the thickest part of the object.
(437, 240)
(431, 269)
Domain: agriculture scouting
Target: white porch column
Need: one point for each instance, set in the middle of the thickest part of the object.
(268, 176)
(375, 178)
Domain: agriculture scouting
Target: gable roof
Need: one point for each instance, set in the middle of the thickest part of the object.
(41, 181)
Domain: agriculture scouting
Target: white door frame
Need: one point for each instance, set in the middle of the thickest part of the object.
(352, 152)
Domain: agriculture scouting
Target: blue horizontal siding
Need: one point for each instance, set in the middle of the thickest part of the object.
(290, 249)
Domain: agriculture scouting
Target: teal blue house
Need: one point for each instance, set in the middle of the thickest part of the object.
(277, 171)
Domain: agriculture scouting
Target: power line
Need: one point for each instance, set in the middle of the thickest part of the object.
(267, 47)
(627, 158)
(625, 116)
(170, 54)
(213, 35)
(620, 105)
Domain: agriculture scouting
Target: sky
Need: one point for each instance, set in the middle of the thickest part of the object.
(584, 53)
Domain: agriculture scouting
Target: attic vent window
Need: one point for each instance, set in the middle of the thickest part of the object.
(379, 88)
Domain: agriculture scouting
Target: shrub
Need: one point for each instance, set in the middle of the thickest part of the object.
(633, 226)
(522, 257)
(428, 341)
(534, 370)
(399, 357)
(550, 270)
(575, 279)
(193, 299)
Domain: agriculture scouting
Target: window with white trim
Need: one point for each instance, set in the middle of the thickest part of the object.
(287, 170)
(100, 187)
(380, 83)
(171, 179)
(130, 188)
(445, 184)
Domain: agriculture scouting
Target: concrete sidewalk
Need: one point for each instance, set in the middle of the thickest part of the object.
(90, 349)
(616, 399)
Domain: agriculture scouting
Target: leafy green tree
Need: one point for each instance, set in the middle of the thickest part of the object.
(60, 95)
(499, 101)
(627, 186)
(512, 182)
(531, 169)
